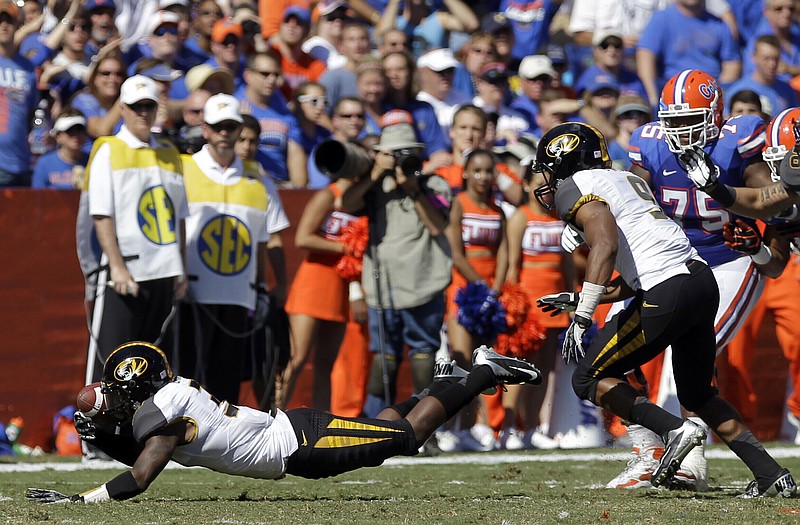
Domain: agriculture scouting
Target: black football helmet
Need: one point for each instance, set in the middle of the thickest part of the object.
(565, 150)
(132, 373)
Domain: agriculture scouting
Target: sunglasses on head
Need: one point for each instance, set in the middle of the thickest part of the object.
(228, 126)
(314, 99)
(166, 30)
(147, 105)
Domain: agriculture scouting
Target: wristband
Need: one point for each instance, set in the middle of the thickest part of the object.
(590, 296)
(722, 193)
(95, 495)
(123, 486)
(763, 255)
(356, 293)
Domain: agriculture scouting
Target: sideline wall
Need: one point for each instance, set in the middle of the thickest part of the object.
(44, 339)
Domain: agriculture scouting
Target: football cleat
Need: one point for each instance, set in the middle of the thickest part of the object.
(639, 470)
(447, 370)
(679, 443)
(783, 487)
(508, 370)
(693, 474)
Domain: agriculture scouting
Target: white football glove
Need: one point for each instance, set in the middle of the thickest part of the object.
(571, 239)
(557, 303)
(573, 339)
(49, 496)
(701, 169)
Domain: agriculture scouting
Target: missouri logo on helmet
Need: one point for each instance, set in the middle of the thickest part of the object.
(563, 144)
(130, 368)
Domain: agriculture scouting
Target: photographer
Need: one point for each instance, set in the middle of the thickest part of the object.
(408, 263)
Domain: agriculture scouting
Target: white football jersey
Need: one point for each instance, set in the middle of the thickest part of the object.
(231, 439)
(652, 247)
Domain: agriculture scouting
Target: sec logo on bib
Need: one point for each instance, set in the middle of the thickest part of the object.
(225, 245)
(157, 216)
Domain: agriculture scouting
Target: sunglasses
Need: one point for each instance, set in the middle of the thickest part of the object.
(143, 106)
(316, 101)
(109, 73)
(82, 27)
(5, 17)
(359, 116)
(195, 111)
(632, 115)
(230, 127)
(76, 130)
(611, 43)
(231, 40)
(166, 30)
(266, 74)
(779, 8)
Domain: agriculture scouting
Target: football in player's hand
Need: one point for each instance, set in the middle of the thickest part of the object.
(91, 401)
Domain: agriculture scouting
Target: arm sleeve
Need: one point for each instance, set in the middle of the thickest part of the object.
(147, 420)
(101, 192)
(276, 214)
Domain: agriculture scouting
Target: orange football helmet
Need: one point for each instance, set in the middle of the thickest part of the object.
(690, 110)
(780, 139)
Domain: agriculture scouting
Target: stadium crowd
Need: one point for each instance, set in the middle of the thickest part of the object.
(466, 87)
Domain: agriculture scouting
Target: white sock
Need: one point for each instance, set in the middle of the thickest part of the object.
(644, 438)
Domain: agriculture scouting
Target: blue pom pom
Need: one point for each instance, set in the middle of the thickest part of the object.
(480, 312)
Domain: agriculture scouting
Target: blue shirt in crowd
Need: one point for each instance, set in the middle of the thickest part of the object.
(55, 173)
(531, 21)
(18, 98)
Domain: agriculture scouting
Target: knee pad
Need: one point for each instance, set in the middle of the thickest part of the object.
(583, 384)
(422, 370)
(375, 382)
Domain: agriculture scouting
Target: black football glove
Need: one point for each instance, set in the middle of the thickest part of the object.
(742, 237)
(85, 426)
(49, 496)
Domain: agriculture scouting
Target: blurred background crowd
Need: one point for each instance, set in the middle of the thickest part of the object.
(470, 86)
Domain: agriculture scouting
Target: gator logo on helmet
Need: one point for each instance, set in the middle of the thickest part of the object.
(563, 144)
(130, 368)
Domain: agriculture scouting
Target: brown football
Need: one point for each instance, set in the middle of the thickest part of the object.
(91, 401)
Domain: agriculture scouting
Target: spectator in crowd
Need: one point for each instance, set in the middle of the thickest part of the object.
(555, 109)
(746, 102)
(779, 20)
(425, 26)
(537, 261)
(283, 156)
(536, 75)
(400, 94)
(192, 111)
(492, 88)
(601, 95)
(169, 111)
(297, 66)
(393, 40)
(436, 69)
(309, 106)
(163, 41)
(227, 50)
(371, 84)
(630, 113)
(408, 215)
(318, 302)
(341, 82)
(466, 134)
(530, 20)
(72, 58)
(206, 13)
(63, 167)
(748, 15)
(476, 53)
(142, 245)
(348, 121)
(209, 78)
(19, 97)
(100, 14)
(99, 101)
(681, 36)
(608, 57)
(776, 95)
(499, 26)
(224, 205)
(328, 17)
(564, 77)
(272, 14)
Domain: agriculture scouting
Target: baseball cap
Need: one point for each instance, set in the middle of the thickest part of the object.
(161, 72)
(493, 71)
(327, 7)
(523, 148)
(556, 54)
(600, 36)
(397, 132)
(91, 5)
(68, 122)
(631, 103)
(533, 66)
(221, 107)
(601, 81)
(138, 88)
(438, 60)
(164, 17)
(163, 4)
(493, 22)
(10, 7)
(301, 13)
(225, 27)
(199, 75)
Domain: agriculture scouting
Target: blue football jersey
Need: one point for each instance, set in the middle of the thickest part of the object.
(740, 141)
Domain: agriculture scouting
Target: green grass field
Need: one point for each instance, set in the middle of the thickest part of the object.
(490, 488)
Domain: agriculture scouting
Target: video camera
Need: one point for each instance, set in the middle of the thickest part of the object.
(347, 160)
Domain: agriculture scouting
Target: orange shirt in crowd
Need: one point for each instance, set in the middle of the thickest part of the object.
(271, 13)
(295, 73)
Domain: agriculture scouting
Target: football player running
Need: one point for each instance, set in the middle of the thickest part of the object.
(162, 417)
(674, 302)
(690, 118)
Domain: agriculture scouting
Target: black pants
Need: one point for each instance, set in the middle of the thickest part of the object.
(124, 318)
(207, 353)
(678, 312)
(331, 445)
